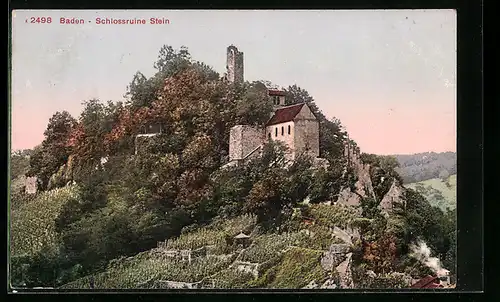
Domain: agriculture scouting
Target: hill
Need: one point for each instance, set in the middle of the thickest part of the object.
(442, 194)
(424, 166)
(346, 223)
(302, 258)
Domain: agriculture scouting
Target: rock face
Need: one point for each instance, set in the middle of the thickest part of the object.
(363, 185)
(311, 285)
(344, 270)
(394, 195)
(334, 256)
(348, 198)
(329, 284)
(346, 235)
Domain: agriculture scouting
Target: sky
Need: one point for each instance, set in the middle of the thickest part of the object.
(388, 75)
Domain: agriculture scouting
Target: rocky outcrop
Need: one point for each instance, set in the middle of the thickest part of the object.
(347, 235)
(348, 198)
(363, 185)
(329, 284)
(334, 256)
(394, 195)
(344, 271)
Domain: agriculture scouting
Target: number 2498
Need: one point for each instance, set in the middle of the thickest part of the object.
(40, 20)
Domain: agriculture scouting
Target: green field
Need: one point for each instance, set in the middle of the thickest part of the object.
(442, 194)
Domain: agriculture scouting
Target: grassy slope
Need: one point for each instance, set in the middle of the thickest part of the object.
(449, 193)
(290, 260)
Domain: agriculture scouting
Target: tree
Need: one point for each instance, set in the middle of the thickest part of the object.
(54, 150)
(89, 139)
(19, 163)
(443, 175)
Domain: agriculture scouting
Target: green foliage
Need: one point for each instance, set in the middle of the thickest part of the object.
(440, 194)
(254, 107)
(332, 215)
(174, 191)
(134, 273)
(332, 137)
(381, 281)
(54, 151)
(423, 166)
(19, 163)
(32, 224)
(266, 247)
(232, 279)
(298, 267)
(214, 234)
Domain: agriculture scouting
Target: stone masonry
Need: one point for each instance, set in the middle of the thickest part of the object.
(234, 65)
(243, 139)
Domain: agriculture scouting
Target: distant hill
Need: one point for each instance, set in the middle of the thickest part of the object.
(442, 194)
(423, 166)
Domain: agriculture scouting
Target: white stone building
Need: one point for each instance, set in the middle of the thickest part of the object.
(295, 126)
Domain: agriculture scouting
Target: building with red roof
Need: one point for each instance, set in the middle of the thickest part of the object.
(427, 282)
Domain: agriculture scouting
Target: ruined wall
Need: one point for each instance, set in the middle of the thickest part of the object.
(279, 133)
(244, 139)
(234, 65)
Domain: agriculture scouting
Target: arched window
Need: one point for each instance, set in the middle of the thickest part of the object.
(282, 130)
(289, 129)
(276, 131)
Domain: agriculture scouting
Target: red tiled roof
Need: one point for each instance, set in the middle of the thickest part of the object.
(276, 92)
(427, 282)
(285, 114)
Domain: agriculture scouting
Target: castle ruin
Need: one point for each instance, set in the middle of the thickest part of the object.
(234, 65)
(295, 126)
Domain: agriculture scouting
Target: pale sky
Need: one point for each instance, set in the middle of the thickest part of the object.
(388, 75)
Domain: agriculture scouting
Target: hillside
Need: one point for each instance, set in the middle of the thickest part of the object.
(424, 166)
(127, 211)
(442, 194)
(311, 256)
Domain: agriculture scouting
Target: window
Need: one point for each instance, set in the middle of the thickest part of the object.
(276, 131)
(289, 129)
(269, 135)
(282, 130)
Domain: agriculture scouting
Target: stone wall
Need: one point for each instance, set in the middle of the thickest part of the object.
(244, 139)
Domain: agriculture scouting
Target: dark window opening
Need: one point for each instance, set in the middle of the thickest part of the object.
(276, 131)
(289, 131)
(269, 135)
(282, 131)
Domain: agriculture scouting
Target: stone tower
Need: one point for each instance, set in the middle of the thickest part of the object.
(234, 65)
